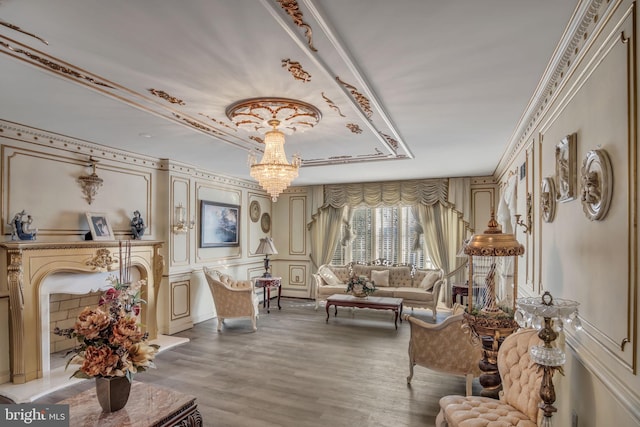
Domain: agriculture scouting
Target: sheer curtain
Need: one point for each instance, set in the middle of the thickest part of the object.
(324, 228)
(442, 207)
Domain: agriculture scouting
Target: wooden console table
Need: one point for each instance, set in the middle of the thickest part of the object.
(148, 405)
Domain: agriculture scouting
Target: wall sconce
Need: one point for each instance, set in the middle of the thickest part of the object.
(90, 183)
(181, 225)
(527, 226)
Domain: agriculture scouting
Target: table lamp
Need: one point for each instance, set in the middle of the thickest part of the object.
(266, 248)
(548, 315)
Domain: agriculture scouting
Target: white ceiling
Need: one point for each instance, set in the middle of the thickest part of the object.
(446, 81)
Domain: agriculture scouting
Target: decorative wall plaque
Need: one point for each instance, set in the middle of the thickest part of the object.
(265, 222)
(596, 184)
(254, 211)
(548, 199)
(566, 168)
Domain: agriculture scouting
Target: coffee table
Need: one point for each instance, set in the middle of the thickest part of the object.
(375, 303)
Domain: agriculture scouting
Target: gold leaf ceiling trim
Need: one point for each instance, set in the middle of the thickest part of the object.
(53, 65)
(362, 100)
(216, 121)
(164, 95)
(392, 142)
(292, 8)
(354, 128)
(332, 105)
(20, 30)
(197, 125)
(296, 70)
(255, 114)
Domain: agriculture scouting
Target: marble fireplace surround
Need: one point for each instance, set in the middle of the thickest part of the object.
(27, 264)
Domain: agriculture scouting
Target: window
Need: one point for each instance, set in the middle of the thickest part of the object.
(388, 233)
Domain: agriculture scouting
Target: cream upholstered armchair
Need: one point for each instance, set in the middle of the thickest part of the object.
(519, 398)
(232, 298)
(444, 347)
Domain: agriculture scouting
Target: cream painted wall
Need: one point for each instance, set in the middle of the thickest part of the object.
(39, 174)
(593, 262)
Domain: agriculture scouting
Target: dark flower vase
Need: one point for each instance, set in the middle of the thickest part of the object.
(112, 393)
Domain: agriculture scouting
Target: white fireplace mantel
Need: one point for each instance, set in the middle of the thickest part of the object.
(26, 264)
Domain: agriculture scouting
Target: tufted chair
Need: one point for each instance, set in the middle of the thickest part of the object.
(519, 398)
(232, 298)
(444, 347)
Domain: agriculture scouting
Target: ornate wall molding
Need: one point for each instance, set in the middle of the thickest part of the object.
(580, 33)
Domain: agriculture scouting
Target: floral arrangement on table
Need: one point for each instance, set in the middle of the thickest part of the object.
(359, 286)
(110, 340)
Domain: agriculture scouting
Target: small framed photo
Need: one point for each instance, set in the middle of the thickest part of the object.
(219, 224)
(99, 226)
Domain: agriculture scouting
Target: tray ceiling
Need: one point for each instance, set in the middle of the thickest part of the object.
(405, 89)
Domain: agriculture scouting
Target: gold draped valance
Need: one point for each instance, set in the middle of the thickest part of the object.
(375, 194)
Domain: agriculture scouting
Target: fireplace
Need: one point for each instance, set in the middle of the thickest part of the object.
(36, 270)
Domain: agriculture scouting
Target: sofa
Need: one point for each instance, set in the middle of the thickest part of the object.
(419, 288)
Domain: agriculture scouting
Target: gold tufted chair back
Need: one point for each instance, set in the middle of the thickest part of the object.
(519, 398)
(521, 377)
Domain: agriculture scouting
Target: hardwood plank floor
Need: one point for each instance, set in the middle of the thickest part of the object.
(297, 370)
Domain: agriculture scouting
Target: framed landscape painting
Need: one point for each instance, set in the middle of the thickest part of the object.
(219, 224)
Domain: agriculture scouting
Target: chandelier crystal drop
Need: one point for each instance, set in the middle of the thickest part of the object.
(274, 173)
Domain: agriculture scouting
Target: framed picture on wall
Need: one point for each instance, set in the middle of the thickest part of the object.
(219, 224)
(99, 226)
(566, 168)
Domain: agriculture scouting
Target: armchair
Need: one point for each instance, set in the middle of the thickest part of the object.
(444, 347)
(520, 395)
(232, 298)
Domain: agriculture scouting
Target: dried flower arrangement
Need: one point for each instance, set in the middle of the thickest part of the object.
(110, 340)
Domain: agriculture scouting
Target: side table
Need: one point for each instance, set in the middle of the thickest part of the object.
(267, 283)
(459, 289)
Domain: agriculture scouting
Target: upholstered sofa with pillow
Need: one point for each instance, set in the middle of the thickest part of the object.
(418, 288)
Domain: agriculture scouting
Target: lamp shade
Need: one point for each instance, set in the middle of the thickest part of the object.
(266, 247)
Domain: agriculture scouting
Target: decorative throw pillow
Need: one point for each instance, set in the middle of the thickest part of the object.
(429, 280)
(328, 276)
(380, 277)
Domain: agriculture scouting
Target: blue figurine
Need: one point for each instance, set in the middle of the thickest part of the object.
(20, 228)
(137, 226)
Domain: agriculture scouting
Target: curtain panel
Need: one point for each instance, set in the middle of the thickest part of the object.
(377, 194)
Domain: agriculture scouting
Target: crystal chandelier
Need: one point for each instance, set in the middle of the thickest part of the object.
(274, 173)
(273, 117)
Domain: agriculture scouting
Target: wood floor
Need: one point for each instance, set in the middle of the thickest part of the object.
(297, 370)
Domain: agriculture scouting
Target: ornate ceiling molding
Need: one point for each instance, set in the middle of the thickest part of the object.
(254, 114)
(354, 128)
(333, 106)
(20, 30)
(585, 23)
(292, 8)
(164, 95)
(362, 100)
(42, 61)
(296, 70)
